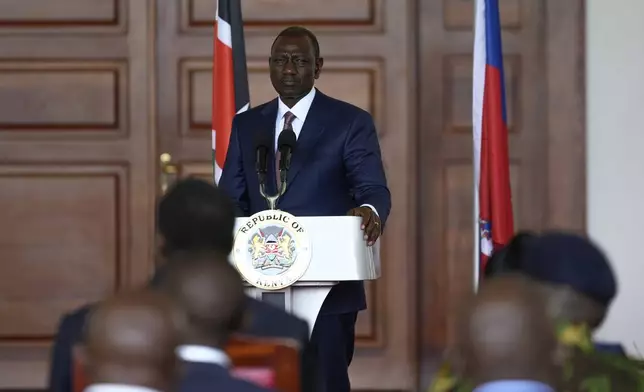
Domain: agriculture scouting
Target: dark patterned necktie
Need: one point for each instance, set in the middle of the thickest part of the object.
(288, 123)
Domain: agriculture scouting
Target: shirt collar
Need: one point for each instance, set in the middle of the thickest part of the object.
(300, 109)
(514, 386)
(193, 353)
(117, 388)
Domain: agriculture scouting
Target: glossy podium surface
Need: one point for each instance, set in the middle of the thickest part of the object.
(338, 253)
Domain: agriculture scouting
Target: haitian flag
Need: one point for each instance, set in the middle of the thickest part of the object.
(229, 78)
(494, 220)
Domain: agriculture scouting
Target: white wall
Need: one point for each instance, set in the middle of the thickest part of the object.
(615, 156)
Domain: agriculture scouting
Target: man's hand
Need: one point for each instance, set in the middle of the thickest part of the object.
(370, 223)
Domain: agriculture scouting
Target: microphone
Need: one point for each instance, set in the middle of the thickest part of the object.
(262, 147)
(286, 145)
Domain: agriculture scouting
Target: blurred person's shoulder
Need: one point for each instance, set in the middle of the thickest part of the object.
(269, 321)
(587, 371)
(590, 370)
(73, 323)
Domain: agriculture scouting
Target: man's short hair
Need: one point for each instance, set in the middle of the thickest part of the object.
(196, 216)
(299, 31)
(208, 289)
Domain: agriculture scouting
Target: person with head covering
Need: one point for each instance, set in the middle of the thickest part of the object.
(577, 280)
(579, 285)
(508, 259)
(130, 344)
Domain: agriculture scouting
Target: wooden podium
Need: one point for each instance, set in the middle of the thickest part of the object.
(330, 250)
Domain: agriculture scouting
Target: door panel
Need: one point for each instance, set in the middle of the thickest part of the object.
(75, 172)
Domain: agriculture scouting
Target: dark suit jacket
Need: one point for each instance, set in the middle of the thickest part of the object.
(208, 377)
(267, 321)
(70, 332)
(336, 166)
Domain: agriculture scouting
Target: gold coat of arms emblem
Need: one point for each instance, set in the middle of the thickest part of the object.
(272, 250)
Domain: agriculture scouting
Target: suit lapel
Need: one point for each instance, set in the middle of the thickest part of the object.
(269, 113)
(311, 132)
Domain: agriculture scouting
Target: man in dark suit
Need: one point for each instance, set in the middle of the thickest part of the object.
(211, 296)
(336, 169)
(192, 216)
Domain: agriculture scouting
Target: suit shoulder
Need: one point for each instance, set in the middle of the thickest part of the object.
(277, 313)
(271, 321)
(71, 326)
(251, 113)
(346, 109)
(75, 318)
(593, 369)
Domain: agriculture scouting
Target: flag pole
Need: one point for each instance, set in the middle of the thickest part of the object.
(476, 264)
(493, 220)
(477, 101)
(213, 135)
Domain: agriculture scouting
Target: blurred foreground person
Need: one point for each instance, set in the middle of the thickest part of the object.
(508, 259)
(130, 345)
(507, 341)
(598, 283)
(579, 285)
(212, 297)
(192, 216)
(575, 277)
(505, 261)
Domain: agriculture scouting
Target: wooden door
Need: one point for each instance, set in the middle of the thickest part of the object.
(369, 61)
(76, 175)
(93, 91)
(543, 59)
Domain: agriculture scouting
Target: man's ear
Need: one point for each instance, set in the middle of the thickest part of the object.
(319, 63)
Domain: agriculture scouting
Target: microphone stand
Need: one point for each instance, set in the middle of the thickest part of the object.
(284, 166)
(272, 199)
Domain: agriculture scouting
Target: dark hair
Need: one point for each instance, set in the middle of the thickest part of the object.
(208, 289)
(508, 259)
(299, 31)
(196, 216)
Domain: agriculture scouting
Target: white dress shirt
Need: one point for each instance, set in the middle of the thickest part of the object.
(193, 353)
(117, 388)
(300, 110)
